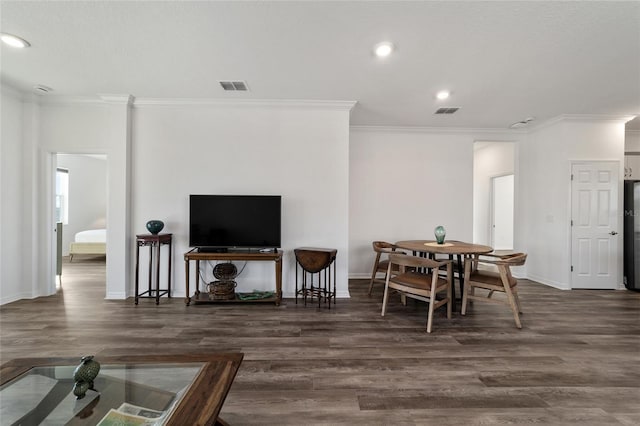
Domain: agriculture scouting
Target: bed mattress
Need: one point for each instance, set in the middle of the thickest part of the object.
(92, 236)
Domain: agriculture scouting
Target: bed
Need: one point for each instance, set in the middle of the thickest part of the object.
(92, 241)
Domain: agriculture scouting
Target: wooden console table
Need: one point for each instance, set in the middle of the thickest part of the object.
(195, 255)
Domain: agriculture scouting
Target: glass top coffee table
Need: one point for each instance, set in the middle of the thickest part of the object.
(129, 390)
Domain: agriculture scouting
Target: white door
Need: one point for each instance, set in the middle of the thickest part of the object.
(502, 212)
(595, 225)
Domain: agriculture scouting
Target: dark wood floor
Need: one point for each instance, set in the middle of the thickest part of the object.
(575, 361)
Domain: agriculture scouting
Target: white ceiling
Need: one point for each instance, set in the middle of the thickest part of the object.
(502, 61)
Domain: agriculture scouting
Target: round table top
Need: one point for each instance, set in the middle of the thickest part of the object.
(448, 247)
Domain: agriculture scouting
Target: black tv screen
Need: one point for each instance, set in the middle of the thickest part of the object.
(227, 221)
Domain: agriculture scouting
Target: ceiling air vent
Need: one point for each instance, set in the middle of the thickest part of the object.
(238, 86)
(449, 110)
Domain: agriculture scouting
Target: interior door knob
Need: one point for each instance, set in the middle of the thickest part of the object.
(613, 233)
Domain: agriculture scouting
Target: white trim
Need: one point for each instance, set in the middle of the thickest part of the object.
(102, 99)
(360, 276)
(117, 295)
(122, 99)
(550, 283)
(575, 118)
(20, 296)
(431, 130)
(277, 103)
(70, 100)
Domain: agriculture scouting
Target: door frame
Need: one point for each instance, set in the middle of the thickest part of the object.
(619, 265)
(51, 243)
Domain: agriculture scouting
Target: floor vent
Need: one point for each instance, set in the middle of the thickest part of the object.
(449, 110)
(234, 85)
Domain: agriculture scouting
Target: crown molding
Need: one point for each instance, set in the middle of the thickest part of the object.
(583, 118)
(70, 100)
(436, 130)
(116, 99)
(269, 103)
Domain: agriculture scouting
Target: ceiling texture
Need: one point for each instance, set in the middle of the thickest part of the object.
(502, 61)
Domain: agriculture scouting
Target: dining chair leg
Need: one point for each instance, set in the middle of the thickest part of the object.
(432, 302)
(374, 272)
(510, 298)
(515, 296)
(512, 304)
(403, 299)
(373, 277)
(385, 298)
(430, 316)
(465, 291)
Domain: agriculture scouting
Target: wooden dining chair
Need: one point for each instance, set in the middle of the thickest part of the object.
(404, 276)
(381, 264)
(501, 281)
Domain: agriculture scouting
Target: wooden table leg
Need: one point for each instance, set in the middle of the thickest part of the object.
(137, 270)
(187, 299)
(279, 282)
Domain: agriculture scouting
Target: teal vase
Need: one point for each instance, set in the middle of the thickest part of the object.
(439, 232)
(155, 226)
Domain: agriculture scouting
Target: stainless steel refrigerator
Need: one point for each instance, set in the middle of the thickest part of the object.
(632, 234)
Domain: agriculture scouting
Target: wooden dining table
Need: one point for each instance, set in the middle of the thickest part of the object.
(451, 248)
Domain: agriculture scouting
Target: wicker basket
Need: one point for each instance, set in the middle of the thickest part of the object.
(225, 271)
(222, 290)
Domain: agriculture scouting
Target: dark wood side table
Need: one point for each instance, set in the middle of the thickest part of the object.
(154, 242)
(316, 262)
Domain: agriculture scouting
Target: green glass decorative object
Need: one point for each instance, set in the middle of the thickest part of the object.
(155, 226)
(84, 374)
(439, 232)
(80, 389)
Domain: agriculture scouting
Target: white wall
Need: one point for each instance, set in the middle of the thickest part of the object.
(545, 189)
(296, 149)
(632, 141)
(340, 188)
(490, 159)
(87, 194)
(12, 286)
(92, 126)
(299, 152)
(405, 182)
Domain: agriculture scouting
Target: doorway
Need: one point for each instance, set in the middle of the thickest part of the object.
(81, 210)
(494, 183)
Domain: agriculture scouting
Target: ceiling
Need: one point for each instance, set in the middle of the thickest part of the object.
(502, 61)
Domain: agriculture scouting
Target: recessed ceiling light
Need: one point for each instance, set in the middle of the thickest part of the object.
(14, 41)
(443, 94)
(383, 49)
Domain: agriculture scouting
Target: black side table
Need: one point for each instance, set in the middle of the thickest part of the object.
(316, 262)
(154, 242)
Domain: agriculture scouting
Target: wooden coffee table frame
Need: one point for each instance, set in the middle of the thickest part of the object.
(200, 405)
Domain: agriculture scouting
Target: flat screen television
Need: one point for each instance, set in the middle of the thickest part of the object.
(234, 221)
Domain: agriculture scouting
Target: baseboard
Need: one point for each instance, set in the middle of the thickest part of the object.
(15, 297)
(116, 296)
(550, 283)
(358, 276)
